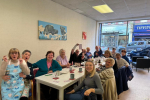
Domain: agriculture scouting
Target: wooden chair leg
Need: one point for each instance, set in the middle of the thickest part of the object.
(118, 96)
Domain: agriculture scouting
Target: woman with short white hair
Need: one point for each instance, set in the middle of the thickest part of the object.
(62, 59)
(108, 71)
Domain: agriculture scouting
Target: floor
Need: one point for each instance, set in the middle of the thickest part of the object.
(139, 87)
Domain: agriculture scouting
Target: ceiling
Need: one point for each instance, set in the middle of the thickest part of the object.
(123, 9)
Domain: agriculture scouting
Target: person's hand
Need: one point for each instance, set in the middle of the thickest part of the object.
(22, 75)
(100, 64)
(82, 57)
(127, 66)
(97, 69)
(100, 48)
(50, 71)
(87, 92)
(96, 54)
(90, 55)
(5, 58)
(6, 77)
(71, 92)
(77, 44)
(68, 65)
(20, 60)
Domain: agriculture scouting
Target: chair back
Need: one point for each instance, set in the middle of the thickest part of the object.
(0, 94)
(110, 90)
(134, 58)
(143, 63)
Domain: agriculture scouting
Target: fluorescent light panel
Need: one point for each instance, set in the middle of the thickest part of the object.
(103, 8)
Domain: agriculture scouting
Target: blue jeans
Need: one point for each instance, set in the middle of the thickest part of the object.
(79, 95)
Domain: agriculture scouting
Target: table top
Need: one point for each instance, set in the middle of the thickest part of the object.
(64, 79)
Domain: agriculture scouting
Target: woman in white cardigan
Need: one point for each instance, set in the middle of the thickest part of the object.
(120, 61)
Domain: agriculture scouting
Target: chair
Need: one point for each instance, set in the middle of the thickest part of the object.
(32, 91)
(121, 80)
(142, 63)
(110, 90)
(134, 58)
(0, 94)
(31, 95)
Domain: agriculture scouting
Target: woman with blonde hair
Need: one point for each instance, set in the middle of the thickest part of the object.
(91, 85)
(12, 84)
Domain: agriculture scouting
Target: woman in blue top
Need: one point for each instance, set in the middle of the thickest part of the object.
(47, 65)
(123, 53)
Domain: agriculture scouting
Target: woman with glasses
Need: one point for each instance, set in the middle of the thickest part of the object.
(12, 84)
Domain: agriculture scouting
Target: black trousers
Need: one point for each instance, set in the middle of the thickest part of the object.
(49, 92)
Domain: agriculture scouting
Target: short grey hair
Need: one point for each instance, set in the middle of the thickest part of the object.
(26, 51)
(61, 51)
(112, 61)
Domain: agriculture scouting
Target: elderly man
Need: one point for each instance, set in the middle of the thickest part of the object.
(83, 53)
(75, 57)
(98, 52)
(107, 72)
(89, 54)
(120, 61)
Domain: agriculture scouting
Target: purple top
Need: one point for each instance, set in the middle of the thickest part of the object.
(63, 61)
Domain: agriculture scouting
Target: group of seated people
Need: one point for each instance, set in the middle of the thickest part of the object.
(16, 73)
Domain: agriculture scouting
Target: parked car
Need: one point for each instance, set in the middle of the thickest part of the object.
(135, 45)
(143, 52)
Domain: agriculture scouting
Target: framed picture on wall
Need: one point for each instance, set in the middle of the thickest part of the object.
(84, 35)
(50, 31)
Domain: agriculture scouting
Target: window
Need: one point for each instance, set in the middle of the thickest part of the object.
(140, 43)
(132, 44)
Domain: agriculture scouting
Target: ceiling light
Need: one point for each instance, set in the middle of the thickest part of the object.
(103, 8)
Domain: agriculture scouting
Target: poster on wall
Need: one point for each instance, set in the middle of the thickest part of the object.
(84, 35)
(50, 31)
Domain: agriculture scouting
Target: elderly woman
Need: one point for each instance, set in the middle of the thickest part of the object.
(123, 53)
(75, 57)
(89, 54)
(107, 54)
(47, 65)
(120, 61)
(108, 71)
(91, 85)
(12, 84)
(107, 75)
(98, 52)
(62, 59)
(26, 56)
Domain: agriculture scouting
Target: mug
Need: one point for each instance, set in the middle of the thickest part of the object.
(71, 76)
(57, 73)
(70, 68)
(80, 69)
(95, 62)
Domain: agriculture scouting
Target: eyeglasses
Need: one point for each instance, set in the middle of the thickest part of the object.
(14, 53)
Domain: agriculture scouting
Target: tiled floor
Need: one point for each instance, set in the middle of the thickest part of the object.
(139, 87)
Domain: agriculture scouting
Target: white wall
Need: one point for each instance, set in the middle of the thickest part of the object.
(19, 27)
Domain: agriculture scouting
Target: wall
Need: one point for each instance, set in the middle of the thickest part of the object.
(19, 27)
